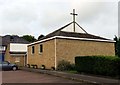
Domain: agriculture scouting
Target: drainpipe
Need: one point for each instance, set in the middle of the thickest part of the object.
(55, 56)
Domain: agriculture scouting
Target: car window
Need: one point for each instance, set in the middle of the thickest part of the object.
(5, 62)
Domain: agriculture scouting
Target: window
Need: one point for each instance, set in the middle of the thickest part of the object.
(33, 49)
(41, 48)
(5, 62)
(11, 38)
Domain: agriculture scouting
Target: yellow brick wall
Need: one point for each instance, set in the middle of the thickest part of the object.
(7, 55)
(47, 57)
(12, 59)
(69, 49)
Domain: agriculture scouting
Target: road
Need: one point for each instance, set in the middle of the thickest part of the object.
(31, 77)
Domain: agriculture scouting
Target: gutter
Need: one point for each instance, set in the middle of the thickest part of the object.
(72, 38)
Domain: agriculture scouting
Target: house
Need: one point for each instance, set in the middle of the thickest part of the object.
(14, 49)
(16, 53)
(2, 50)
(65, 44)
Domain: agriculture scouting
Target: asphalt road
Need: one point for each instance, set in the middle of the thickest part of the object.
(31, 77)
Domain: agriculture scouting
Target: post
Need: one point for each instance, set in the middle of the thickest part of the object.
(74, 19)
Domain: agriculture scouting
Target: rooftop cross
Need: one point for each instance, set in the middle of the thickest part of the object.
(74, 18)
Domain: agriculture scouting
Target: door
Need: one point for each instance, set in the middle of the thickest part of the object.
(1, 56)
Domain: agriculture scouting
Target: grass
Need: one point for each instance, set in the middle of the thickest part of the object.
(75, 72)
(72, 71)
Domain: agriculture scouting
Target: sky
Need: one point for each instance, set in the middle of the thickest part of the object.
(36, 17)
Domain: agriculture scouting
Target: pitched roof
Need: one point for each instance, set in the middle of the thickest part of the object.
(13, 39)
(60, 32)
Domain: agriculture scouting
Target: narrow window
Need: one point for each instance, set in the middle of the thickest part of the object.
(33, 50)
(41, 48)
(11, 38)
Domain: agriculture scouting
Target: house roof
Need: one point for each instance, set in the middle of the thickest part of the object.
(83, 34)
(13, 39)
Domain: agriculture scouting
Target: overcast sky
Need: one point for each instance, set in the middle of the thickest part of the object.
(35, 17)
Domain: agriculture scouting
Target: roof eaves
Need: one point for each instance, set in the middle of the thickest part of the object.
(73, 38)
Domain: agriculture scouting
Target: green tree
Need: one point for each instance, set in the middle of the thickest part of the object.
(40, 37)
(116, 39)
(29, 38)
(118, 48)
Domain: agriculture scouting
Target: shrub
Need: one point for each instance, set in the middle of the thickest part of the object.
(65, 65)
(102, 65)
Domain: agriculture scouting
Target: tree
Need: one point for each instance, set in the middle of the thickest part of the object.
(116, 39)
(29, 38)
(40, 37)
(118, 48)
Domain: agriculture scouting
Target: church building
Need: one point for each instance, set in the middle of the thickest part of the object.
(66, 43)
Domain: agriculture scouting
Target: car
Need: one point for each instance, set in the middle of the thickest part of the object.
(5, 65)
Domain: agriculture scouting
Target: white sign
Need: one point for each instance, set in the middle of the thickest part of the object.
(16, 47)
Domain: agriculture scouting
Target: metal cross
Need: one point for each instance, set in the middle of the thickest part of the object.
(74, 18)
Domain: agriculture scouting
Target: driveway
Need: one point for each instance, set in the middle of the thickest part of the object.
(31, 77)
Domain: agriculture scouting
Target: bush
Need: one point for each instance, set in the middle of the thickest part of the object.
(65, 66)
(108, 66)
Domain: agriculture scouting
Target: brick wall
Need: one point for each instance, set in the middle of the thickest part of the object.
(12, 59)
(69, 49)
(47, 57)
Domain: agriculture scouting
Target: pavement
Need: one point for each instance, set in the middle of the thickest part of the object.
(21, 76)
(77, 77)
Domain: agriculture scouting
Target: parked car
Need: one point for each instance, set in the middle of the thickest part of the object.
(5, 65)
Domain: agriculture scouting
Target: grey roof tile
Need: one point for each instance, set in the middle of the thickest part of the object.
(72, 34)
(13, 39)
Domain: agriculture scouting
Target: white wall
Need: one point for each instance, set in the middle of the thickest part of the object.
(16, 47)
(2, 48)
(70, 29)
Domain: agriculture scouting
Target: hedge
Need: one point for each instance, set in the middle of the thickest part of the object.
(101, 65)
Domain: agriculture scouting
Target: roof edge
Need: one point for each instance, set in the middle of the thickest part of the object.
(73, 38)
